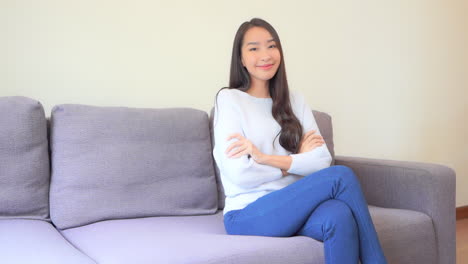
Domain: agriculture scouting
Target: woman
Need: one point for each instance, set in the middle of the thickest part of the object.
(274, 164)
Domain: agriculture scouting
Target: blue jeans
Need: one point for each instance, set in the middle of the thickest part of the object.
(327, 205)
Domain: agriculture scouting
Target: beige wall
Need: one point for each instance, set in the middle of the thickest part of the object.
(393, 74)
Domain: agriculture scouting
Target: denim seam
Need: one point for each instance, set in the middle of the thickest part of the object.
(365, 227)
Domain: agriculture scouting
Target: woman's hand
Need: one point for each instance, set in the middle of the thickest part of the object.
(310, 141)
(242, 147)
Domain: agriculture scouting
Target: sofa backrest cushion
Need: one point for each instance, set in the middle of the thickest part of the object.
(324, 123)
(117, 162)
(24, 159)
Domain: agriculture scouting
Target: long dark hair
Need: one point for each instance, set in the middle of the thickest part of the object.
(291, 129)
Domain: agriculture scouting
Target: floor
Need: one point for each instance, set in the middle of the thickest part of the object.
(462, 241)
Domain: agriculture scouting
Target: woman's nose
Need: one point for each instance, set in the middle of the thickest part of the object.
(265, 56)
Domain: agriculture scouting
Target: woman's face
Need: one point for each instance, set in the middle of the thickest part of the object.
(260, 56)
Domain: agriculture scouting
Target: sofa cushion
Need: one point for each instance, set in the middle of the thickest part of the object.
(116, 162)
(34, 241)
(188, 239)
(24, 159)
(406, 237)
(324, 123)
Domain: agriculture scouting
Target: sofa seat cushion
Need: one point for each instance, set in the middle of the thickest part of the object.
(406, 235)
(34, 241)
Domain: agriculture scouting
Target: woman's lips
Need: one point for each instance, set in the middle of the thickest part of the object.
(266, 66)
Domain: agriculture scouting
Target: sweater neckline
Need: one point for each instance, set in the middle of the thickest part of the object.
(251, 97)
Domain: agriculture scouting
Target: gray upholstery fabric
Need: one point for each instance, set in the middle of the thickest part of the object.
(34, 241)
(406, 236)
(116, 162)
(219, 184)
(423, 187)
(24, 159)
(187, 239)
(324, 123)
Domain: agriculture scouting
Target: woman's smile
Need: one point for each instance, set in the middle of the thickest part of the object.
(265, 67)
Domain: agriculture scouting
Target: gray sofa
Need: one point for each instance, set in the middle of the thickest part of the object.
(113, 185)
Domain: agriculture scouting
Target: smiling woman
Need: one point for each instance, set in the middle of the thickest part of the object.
(256, 47)
(261, 57)
(274, 163)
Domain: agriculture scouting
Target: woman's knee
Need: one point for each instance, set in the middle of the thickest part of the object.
(343, 173)
(338, 211)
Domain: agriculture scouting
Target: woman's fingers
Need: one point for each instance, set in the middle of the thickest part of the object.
(238, 148)
(316, 145)
(317, 141)
(312, 138)
(313, 144)
(239, 142)
(240, 151)
(240, 154)
(307, 135)
(236, 135)
(234, 145)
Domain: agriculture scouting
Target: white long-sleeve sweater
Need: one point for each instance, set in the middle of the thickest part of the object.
(245, 180)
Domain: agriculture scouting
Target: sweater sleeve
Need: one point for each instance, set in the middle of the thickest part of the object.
(242, 171)
(316, 159)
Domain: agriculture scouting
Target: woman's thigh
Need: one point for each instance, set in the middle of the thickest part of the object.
(282, 213)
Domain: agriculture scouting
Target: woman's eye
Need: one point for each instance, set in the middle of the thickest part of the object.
(272, 46)
(253, 49)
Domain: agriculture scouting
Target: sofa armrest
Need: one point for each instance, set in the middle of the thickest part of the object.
(424, 187)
